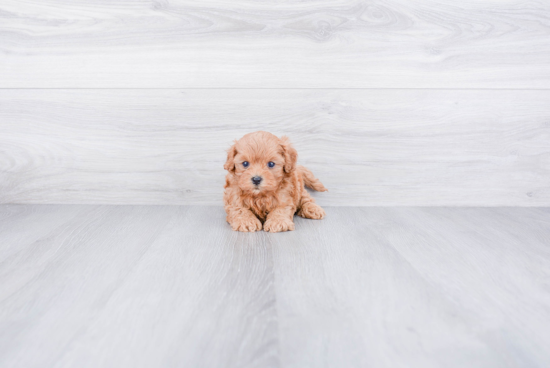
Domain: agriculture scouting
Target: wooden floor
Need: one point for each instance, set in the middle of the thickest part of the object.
(149, 286)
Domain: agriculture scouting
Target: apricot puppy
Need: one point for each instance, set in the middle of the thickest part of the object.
(265, 187)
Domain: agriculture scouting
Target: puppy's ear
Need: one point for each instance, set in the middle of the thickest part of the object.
(290, 154)
(230, 163)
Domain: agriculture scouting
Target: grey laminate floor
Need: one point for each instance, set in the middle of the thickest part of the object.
(149, 286)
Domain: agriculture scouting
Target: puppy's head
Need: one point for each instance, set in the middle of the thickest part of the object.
(260, 161)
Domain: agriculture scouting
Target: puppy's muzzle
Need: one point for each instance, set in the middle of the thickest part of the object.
(256, 180)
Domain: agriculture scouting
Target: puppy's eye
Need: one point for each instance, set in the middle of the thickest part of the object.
(245, 163)
(271, 164)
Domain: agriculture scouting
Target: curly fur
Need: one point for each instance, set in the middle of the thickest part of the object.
(271, 205)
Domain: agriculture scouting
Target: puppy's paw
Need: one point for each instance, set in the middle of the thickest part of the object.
(312, 211)
(276, 225)
(246, 224)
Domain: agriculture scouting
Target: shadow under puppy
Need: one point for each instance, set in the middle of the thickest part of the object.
(265, 187)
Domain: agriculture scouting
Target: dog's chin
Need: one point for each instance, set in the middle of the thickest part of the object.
(253, 190)
(258, 190)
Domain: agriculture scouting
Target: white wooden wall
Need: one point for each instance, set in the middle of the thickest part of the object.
(394, 102)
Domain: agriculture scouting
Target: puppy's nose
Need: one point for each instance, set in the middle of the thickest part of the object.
(256, 180)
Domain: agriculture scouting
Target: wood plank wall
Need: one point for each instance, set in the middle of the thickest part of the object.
(394, 102)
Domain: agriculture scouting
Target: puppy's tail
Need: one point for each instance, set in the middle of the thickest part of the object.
(310, 180)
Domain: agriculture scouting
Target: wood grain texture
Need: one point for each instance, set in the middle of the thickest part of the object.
(369, 147)
(274, 44)
(142, 286)
(136, 287)
(408, 287)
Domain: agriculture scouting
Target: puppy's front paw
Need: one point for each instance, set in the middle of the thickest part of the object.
(311, 211)
(277, 225)
(246, 224)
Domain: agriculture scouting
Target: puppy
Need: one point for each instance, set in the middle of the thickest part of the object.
(264, 187)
